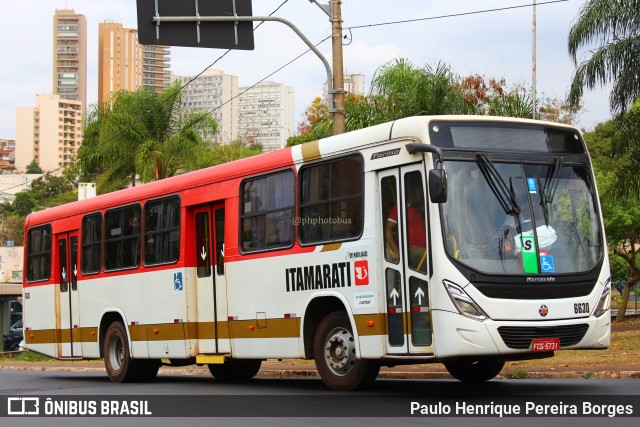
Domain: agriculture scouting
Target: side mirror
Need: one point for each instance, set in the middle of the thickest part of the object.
(438, 186)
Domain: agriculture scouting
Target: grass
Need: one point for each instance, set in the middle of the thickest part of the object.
(26, 356)
(517, 374)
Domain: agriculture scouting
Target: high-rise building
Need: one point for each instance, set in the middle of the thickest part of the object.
(70, 55)
(49, 133)
(267, 115)
(155, 67)
(353, 84)
(124, 64)
(119, 60)
(215, 92)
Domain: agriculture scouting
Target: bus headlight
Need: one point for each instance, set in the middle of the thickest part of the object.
(463, 302)
(604, 303)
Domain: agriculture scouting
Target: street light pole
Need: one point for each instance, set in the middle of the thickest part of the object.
(533, 61)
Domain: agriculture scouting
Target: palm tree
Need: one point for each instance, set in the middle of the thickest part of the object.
(146, 135)
(614, 26)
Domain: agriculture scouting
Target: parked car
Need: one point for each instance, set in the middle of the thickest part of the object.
(14, 337)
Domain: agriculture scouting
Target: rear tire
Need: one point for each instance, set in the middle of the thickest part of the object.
(147, 369)
(478, 370)
(234, 370)
(117, 359)
(334, 352)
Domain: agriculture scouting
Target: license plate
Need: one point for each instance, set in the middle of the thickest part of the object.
(545, 344)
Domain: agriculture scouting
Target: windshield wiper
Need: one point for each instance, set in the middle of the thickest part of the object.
(497, 184)
(551, 183)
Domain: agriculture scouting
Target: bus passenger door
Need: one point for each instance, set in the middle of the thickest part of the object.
(68, 338)
(406, 261)
(213, 327)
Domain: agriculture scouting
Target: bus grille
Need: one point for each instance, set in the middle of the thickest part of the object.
(519, 337)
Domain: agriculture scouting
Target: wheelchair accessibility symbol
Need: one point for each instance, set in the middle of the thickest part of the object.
(546, 264)
(177, 281)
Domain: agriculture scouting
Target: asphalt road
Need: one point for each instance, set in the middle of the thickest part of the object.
(301, 402)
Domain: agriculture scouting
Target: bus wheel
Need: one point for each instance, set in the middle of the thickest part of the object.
(236, 369)
(117, 360)
(472, 370)
(334, 351)
(147, 369)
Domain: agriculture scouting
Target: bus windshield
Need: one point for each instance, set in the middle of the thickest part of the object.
(519, 218)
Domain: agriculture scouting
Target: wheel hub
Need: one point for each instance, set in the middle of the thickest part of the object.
(339, 351)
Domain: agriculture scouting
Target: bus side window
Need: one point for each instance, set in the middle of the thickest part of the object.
(266, 217)
(91, 243)
(39, 253)
(162, 231)
(219, 228)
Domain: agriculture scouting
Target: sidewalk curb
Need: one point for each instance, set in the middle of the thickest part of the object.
(312, 373)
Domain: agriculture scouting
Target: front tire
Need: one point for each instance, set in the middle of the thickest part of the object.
(470, 370)
(234, 370)
(334, 352)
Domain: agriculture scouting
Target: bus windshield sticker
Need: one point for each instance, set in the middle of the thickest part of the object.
(546, 264)
(531, 182)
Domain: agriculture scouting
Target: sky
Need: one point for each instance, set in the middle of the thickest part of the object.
(495, 44)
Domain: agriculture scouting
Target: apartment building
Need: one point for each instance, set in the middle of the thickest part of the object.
(70, 55)
(49, 133)
(213, 92)
(124, 64)
(266, 115)
(353, 84)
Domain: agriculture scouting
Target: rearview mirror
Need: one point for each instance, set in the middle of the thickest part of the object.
(438, 186)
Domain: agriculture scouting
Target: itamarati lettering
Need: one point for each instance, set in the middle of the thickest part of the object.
(325, 276)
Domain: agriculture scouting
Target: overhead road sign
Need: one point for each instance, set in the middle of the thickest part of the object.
(229, 34)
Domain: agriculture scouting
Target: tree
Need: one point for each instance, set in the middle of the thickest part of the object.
(146, 135)
(614, 26)
(621, 214)
(401, 89)
(622, 224)
(33, 167)
(626, 155)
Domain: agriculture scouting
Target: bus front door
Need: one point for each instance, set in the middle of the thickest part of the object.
(68, 319)
(213, 326)
(406, 260)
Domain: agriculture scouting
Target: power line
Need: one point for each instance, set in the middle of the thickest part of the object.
(452, 15)
(159, 105)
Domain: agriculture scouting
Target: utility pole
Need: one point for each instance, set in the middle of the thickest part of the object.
(533, 61)
(338, 76)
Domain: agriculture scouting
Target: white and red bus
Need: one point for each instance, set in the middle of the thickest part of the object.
(357, 250)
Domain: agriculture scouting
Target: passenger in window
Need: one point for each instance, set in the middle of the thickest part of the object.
(416, 233)
(134, 225)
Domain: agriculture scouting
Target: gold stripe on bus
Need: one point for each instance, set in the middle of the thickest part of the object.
(371, 324)
(331, 247)
(157, 332)
(310, 151)
(41, 336)
(366, 325)
(89, 334)
(207, 330)
(273, 328)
